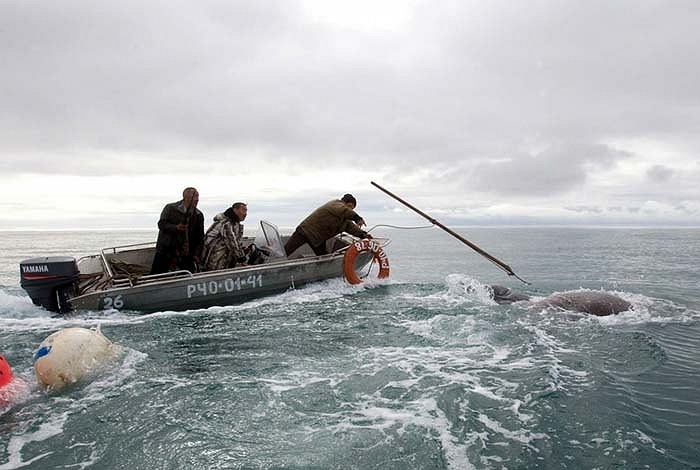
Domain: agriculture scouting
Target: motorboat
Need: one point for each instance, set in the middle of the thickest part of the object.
(117, 277)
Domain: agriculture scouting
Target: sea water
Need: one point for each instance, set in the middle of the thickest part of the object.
(421, 371)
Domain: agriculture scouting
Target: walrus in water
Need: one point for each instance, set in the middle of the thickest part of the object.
(586, 301)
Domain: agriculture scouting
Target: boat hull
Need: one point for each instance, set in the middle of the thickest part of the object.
(218, 288)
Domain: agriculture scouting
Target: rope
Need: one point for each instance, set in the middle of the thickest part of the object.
(399, 227)
(369, 269)
(510, 273)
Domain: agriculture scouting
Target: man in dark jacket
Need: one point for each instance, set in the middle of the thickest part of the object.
(330, 219)
(180, 235)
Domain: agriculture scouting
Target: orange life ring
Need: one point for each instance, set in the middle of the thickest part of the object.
(364, 246)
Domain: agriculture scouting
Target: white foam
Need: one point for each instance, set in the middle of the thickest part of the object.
(92, 459)
(45, 431)
(15, 393)
(460, 285)
(649, 310)
(469, 367)
(309, 293)
(522, 436)
(648, 441)
(44, 321)
(562, 376)
(104, 379)
(292, 383)
(115, 372)
(19, 306)
(460, 290)
(448, 329)
(420, 413)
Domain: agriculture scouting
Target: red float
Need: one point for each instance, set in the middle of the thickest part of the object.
(5, 372)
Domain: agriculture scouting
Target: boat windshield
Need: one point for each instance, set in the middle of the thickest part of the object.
(272, 238)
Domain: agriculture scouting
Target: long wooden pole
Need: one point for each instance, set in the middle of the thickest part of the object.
(471, 245)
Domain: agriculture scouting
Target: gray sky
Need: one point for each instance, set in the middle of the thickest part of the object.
(479, 112)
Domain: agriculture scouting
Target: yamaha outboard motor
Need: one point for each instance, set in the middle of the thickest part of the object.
(50, 282)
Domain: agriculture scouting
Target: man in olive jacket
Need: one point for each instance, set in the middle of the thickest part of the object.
(180, 235)
(330, 219)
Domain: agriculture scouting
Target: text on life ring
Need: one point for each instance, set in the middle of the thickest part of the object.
(364, 246)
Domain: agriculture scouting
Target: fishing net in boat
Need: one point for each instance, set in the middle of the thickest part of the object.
(131, 271)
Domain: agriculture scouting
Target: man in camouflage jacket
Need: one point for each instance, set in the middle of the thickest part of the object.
(223, 242)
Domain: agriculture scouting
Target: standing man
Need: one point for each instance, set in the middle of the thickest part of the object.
(330, 219)
(180, 235)
(223, 243)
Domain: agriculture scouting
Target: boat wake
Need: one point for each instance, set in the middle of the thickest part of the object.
(18, 306)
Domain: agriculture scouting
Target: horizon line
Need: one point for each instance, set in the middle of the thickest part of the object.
(600, 226)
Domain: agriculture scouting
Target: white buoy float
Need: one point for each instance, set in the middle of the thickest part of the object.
(68, 355)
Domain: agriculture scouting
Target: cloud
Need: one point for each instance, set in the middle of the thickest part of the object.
(549, 172)
(659, 173)
(586, 209)
(479, 101)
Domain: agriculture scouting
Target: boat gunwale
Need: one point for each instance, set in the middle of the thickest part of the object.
(147, 284)
(215, 274)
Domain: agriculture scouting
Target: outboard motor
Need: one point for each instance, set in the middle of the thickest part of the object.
(50, 282)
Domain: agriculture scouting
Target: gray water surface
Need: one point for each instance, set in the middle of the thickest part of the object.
(422, 371)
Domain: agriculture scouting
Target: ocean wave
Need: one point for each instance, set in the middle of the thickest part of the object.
(51, 410)
(408, 391)
(47, 429)
(18, 306)
(113, 373)
(316, 292)
(17, 392)
(459, 291)
(46, 322)
(646, 309)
